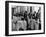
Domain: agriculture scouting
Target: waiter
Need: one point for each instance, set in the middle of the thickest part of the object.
(25, 18)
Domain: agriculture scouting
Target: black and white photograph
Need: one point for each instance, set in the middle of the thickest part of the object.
(25, 18)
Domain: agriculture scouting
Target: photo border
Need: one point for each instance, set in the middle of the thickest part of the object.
(7, 17)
